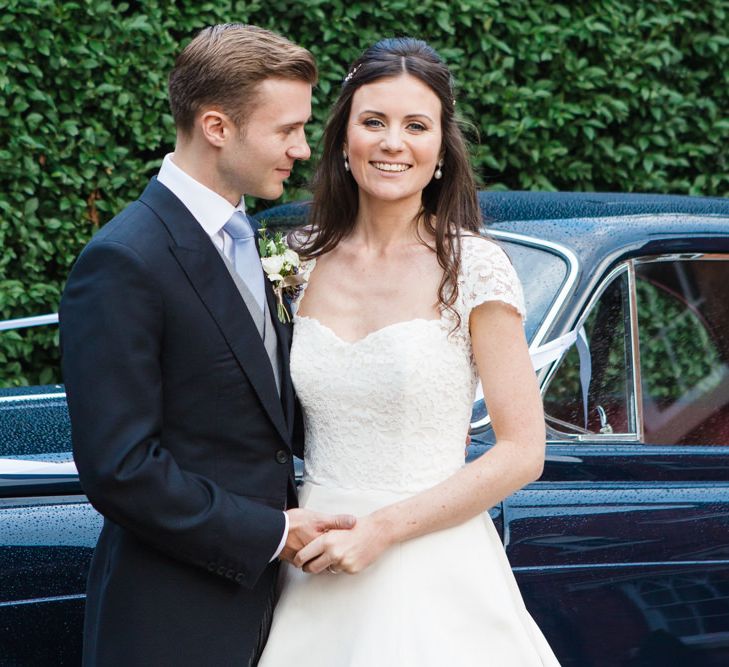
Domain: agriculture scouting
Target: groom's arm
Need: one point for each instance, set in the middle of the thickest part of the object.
(111, 333)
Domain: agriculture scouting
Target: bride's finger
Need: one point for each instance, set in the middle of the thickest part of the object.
(315, 548)
(322, 563)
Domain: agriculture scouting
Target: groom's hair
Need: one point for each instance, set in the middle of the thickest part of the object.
(222, 66)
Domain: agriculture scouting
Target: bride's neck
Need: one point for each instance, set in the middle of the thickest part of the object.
(385, 226)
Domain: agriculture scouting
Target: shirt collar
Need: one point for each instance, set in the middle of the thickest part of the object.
(210, 209)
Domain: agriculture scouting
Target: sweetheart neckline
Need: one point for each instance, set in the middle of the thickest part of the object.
(371, 334)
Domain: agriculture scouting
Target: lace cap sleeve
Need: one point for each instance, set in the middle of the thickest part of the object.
(488, 275)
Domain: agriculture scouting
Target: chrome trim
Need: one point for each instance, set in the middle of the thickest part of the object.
(569, 282)
(602, 437)
(57, 598)
(614, 566)
(32, 397)
(629, 266)
(684, 257)
(635, 351)
(631, 436)
(24, 322)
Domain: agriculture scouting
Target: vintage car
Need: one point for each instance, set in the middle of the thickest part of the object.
(621, 549)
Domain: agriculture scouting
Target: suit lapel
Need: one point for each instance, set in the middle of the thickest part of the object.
(203, 267)
(283, 332)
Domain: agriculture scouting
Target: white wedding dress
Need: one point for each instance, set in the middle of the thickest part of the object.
(386, 417)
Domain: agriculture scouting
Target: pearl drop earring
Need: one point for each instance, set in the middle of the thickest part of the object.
(439, 170)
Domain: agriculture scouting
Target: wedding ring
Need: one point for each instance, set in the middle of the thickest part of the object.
(332, 570)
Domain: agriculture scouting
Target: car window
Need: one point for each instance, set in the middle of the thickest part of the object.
(542, 274)
(33, 412)
(683, 320)
(609, 393)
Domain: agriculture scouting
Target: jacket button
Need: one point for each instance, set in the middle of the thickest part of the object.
(282, 456)
(229, 574)
(239, 578)
(221, 570)
(211, 567)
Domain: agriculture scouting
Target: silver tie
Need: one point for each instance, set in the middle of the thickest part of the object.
(246, 260)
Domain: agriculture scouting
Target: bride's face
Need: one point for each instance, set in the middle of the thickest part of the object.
(394, 138)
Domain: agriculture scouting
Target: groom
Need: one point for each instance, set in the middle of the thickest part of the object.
(176, 366)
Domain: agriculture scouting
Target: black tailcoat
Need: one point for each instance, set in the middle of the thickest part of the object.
(181, 441)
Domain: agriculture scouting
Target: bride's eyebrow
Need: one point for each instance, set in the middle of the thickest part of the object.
(372, 112)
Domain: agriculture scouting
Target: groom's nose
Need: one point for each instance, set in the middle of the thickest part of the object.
(300, 150)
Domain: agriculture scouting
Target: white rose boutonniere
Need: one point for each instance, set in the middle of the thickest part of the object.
(281, 266)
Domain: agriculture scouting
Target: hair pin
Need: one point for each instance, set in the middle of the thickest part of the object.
(349, 76)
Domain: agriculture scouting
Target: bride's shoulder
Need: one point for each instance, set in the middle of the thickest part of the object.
(487, 274)
(478, 250)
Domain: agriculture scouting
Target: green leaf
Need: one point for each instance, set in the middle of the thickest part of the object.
(443, 20)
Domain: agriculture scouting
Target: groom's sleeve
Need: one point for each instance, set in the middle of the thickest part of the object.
(111, 333)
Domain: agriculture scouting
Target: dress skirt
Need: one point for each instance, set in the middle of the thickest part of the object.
(447, 598)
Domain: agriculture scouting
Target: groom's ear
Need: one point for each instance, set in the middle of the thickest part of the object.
(216, 127)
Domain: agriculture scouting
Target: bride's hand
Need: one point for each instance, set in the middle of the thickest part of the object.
(349, 551)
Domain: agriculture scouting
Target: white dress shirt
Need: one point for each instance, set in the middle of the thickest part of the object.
(212, 212)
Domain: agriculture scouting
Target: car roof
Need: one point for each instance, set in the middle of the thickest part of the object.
(649, 212)
(518, 205)
(595, 226)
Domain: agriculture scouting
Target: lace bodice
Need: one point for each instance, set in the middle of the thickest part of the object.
(391, 411)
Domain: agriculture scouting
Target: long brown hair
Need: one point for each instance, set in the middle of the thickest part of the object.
(449, 205)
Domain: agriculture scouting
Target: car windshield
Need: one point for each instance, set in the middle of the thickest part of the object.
(542, 273)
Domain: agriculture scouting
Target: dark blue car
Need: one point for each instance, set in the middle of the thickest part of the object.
(621, 548)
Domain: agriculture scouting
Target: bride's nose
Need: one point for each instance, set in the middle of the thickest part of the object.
(392, 140)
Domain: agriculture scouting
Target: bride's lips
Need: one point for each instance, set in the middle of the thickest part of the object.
(284, 172)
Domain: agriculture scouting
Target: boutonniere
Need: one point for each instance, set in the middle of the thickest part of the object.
(281, 266)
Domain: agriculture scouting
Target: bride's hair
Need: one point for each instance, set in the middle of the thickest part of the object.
(449, 204)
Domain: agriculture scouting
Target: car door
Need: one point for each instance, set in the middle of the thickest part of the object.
(621, 549)
(47, 529)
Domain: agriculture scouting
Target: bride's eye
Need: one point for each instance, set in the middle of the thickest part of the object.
(373, 122)
(417, 127)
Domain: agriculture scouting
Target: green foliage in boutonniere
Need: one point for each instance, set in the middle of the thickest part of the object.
(281, 266)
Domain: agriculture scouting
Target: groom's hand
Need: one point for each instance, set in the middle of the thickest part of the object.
(306, 525)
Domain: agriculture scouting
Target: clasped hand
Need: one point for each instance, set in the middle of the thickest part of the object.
(306, 525)
(349, 551)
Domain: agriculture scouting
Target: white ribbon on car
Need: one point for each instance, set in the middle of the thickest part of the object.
(543, 355)
(23, 322)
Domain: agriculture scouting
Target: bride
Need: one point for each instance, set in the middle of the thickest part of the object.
(405, 308)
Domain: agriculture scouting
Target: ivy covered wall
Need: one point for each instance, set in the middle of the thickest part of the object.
(603, 95)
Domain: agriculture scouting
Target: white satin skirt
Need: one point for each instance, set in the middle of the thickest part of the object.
(447, 598)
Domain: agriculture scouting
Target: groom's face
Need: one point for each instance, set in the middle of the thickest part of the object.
(271, 139)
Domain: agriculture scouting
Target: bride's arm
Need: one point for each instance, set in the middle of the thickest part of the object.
(512, 395)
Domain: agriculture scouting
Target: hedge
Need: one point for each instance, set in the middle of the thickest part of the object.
(600, 95)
